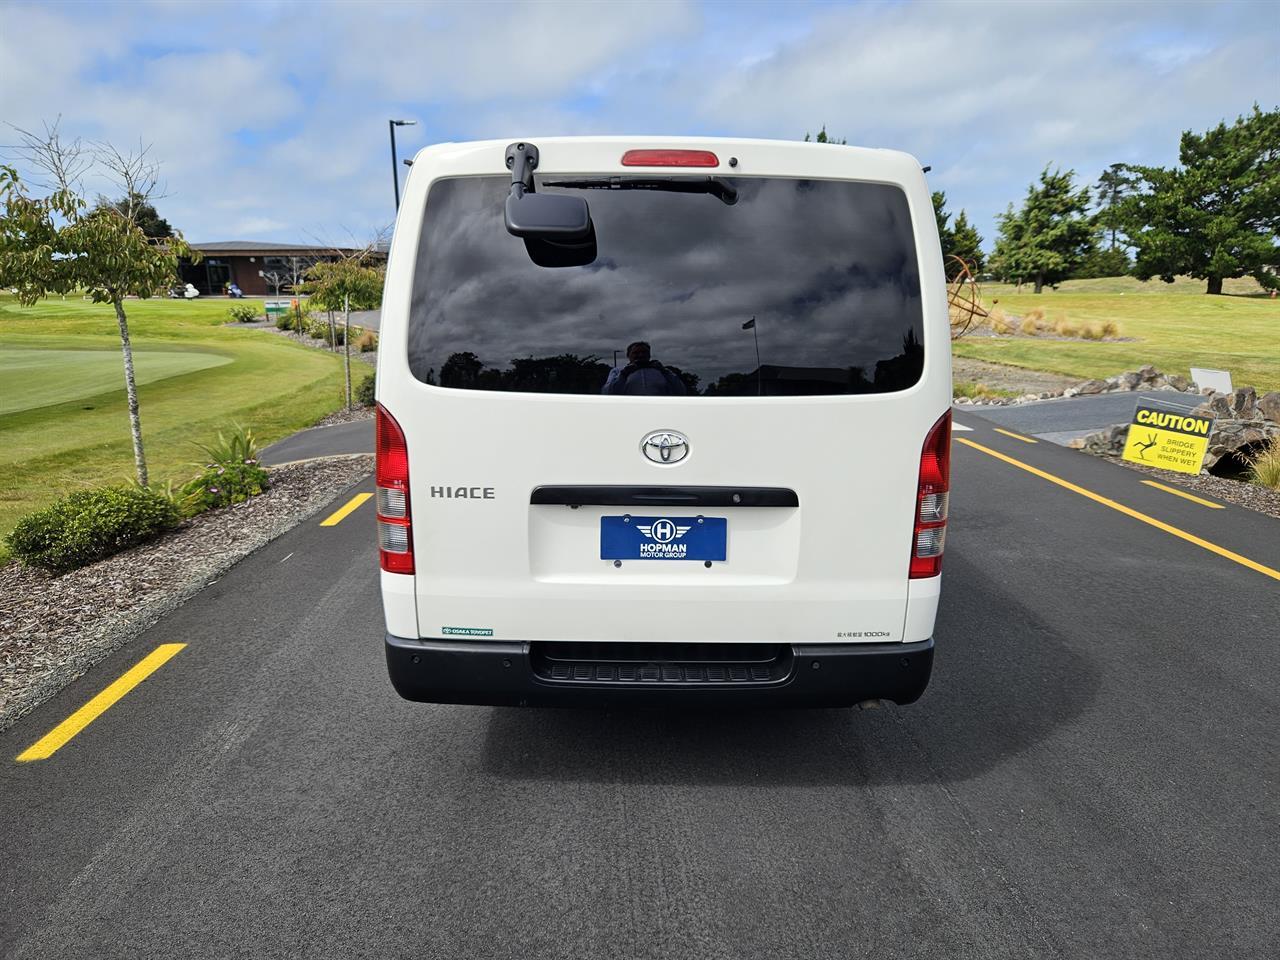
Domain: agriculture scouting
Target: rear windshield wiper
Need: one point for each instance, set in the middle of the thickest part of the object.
(709, 185)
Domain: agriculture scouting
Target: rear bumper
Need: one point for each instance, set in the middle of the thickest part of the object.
(504, 673)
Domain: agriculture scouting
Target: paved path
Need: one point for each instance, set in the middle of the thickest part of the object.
(1063, 419)
(357, 437)
(1092, 773)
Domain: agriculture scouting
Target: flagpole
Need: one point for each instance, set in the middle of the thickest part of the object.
(759, 372)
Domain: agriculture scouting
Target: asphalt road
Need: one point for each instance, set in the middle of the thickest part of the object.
(357, 437)
(1093, 772)
(1060, 420)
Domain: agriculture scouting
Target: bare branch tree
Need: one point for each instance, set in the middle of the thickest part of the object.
(63, 162)
(135, 173)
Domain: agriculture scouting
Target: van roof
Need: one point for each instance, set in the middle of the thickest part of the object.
(655, 142)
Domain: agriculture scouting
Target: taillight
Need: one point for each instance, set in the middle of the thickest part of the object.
(670, 158)
(395, 528)
(932, 493)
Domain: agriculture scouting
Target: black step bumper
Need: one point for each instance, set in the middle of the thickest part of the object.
(506, 673)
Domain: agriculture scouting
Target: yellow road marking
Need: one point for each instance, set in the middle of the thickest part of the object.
(342, 512)
(57, 738)
(1184, 495)
(1016, 436)
(1129, 511)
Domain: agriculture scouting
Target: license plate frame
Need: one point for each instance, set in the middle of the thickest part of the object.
(628, 537)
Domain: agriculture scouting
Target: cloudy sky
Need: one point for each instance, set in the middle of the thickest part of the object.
(270, 118)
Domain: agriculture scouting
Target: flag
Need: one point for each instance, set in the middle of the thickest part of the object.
(750, 324)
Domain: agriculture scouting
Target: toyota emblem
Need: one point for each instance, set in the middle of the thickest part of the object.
(665, 446)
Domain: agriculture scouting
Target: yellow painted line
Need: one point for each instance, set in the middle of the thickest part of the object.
(343, 511)
(1016, 436)
(55, 739)
(1129, 511)
(1184, 495)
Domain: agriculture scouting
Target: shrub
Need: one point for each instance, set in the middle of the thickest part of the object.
(1029, 326)
(979, 391)
(1035, 315)
(367, 341)
(1264, 466)
(366, 391)
(318, 327)
(1000, 323)
(1110, 329)
(89, 525)
(1065, 328)
(243, 313)
(1091, 331)
(284, 321)
(222, 484)
(240, 447)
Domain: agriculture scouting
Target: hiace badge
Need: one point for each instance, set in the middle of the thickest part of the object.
(663, 538)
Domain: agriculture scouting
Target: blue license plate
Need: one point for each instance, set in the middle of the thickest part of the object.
(663, 538)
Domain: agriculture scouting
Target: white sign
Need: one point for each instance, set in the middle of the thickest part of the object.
(1219, 380)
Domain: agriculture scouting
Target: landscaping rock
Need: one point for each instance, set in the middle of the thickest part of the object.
(1269, 406)
(1244, 402)
(1090, 387)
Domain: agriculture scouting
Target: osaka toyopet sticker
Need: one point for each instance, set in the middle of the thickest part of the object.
(1168, 439)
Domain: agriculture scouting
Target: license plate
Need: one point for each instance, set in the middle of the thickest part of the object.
(663, 538)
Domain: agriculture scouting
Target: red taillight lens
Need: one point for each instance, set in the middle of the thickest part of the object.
(670, 158)
(932, 496)
(395, 527)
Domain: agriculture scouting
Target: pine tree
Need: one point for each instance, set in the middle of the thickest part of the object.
(1218, 214)
(1050, 236)
(822, 137)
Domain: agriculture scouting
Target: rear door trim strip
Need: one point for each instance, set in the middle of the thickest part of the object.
(628, 496)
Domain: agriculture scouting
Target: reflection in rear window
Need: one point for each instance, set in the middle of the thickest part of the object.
(826, 269)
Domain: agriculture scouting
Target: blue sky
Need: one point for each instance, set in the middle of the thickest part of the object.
(270, 119)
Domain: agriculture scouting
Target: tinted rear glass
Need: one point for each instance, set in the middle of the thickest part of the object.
(826, 269)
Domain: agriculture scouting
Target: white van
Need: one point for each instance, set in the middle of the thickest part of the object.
(662, 420)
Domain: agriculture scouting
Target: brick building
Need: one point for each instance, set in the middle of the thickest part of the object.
(259, 269)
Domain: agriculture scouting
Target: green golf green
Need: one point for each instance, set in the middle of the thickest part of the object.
(35, 377)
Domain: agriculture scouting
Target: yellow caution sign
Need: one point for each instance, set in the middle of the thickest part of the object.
(1168, 439)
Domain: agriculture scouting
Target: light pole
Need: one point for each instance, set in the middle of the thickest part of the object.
(395, 166)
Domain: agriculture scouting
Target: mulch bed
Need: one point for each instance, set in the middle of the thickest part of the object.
(345, 416)
(53, 629)
(1248, 495)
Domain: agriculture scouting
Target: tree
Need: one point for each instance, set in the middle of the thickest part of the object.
(59, 243)
(960, 240)
(1218, 214)
(142, 211)
(1114, 185)
(1103, 261)
(346, 284)
(823, 138)
(1048, 238)
(940, 214)
(966, 243)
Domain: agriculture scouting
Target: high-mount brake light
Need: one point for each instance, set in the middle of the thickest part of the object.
(391, 477)
(670, 158)
(932, 495)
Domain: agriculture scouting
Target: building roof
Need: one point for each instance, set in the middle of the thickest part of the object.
(265, 249)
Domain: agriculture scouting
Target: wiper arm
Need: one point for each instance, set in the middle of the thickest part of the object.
(709, 185)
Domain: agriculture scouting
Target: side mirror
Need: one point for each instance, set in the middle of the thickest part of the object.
(556, 228)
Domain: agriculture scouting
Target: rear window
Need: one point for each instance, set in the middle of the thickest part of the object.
(700, 287)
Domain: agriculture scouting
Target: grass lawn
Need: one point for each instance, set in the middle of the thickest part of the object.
(64, 424)
(1173, 326)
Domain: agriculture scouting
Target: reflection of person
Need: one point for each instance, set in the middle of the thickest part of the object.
(643, 376)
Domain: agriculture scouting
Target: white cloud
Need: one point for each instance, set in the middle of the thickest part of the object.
(271, 119)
